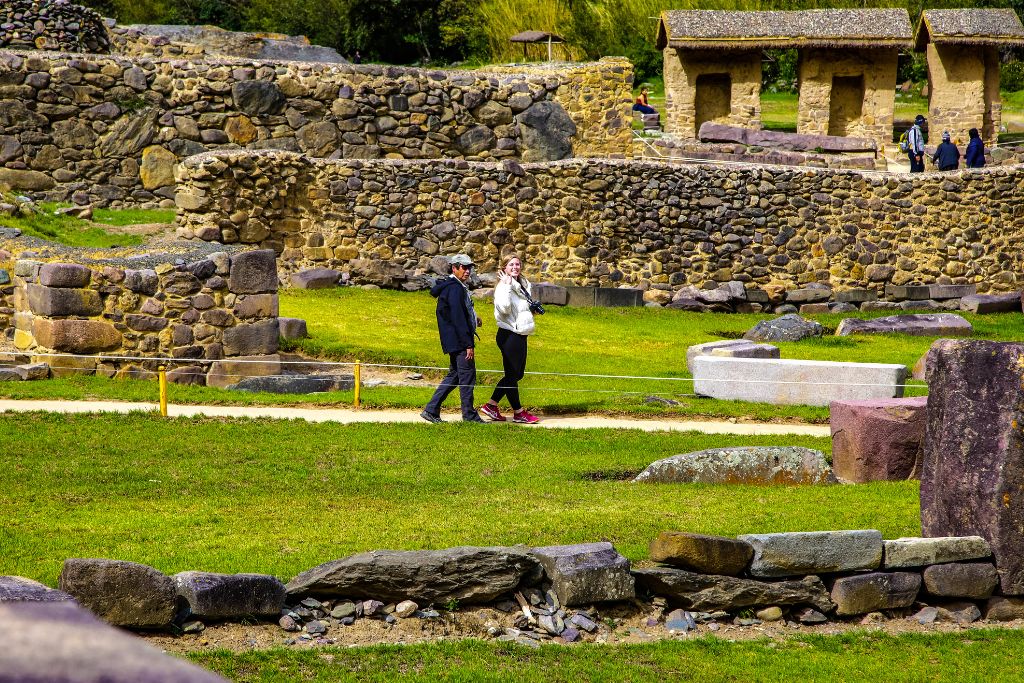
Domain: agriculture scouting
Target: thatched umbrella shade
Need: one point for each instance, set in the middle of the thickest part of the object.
(535, 37)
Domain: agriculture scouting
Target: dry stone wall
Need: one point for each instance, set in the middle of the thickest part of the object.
(108, 129)
(616, 222)
(216, 306)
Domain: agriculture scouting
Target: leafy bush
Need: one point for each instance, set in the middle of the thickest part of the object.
(779, 71)
(1011, 77)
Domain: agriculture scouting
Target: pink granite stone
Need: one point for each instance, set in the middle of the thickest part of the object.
(878, 439)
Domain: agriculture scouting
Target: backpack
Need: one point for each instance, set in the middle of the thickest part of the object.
(905, 141)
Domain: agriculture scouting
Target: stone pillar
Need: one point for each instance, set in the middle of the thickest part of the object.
(684, 67)
(957, 92)
(973, 478)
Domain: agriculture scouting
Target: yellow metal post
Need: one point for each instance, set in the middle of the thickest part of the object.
(358, 376)
(162, 374)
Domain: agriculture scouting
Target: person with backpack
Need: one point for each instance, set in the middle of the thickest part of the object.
(975, 156)
(947, 156)
(913, 145)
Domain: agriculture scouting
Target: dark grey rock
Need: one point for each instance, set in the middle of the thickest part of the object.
(546, 130)
(57, 301)
(813, 552)
(811, 616)
(708, 592)
(315, 278)
(63, 643)
(999, 608)
(586, 573)
(467, 574)
(584, 622)
(918, 325)
(547, 293)
(744, 464)
(295, 384)
(875, 591)
(257, 98)
(720, 132)
(253, 272)
(807, 296)
(476, 140)
(789, 327)
(972, 580)
(991, 303)
(292, 328)
(20, 589)
(252, 339)
(230, 596)
(142, 281)
(121, 593)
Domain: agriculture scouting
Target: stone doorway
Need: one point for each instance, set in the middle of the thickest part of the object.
(846, 104)
(714, 98)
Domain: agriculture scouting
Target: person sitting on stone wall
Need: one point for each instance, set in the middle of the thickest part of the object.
(947, 156)
(642, 104)
(975, 156)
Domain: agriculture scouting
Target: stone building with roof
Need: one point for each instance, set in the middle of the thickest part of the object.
(962, 48)
(847, 67)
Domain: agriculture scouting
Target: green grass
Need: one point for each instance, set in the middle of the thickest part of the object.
(978, 655)
(282, 496)
(76, 232)
(399, 328)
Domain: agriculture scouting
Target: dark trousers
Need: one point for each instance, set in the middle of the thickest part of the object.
(915, 165)
(461, 374)
(513, 360)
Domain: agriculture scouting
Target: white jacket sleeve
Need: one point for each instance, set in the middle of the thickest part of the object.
(503, 298)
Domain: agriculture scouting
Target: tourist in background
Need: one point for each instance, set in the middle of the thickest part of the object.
(457, 322)
(642, 104)
(947, 156)
(975, 156)
(513, 311)
(915, 140)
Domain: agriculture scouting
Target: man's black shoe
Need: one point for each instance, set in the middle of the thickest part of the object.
(474, 418)
(429, 417)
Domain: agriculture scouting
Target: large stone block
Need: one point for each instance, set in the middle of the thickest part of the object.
(789, 327)
(876, 591)
(971, 580)
(20, 589)
(795, 382)
(230, 596)
(991, 303)
(250, 306)
(120, 593)
(709, 593)
(64, 275)
(251, 339)
(144, 281)
(292, 328)
(229, 371)
(76, 336)
(315, 278)
(58, 301)
(741, 465)
(878, 440)
(730, 348)
(253, 272)
(920, 552)
(587, 573)
(547, 293)
(468, 574)
(974, 452)
(913, 324)
(813, 552)
(63, 643)
(700, 553)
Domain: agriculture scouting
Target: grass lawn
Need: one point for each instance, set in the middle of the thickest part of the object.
(987, 655)
(399, 328)
(281, 496)
(76, 232)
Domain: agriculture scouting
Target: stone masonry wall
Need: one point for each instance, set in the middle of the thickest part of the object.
(876, 68)
(962, 82)
(218, 308)
(684, 67)
(110, 129)
(617, 222)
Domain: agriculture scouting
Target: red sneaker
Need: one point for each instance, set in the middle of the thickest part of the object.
(492, 413)
(525, 418)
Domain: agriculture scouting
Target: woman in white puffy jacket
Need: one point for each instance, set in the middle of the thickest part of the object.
(515, 323)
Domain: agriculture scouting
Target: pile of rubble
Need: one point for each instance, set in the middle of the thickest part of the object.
(52, 25)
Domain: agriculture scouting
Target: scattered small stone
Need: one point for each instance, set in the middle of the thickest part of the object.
(872, 618)
(680, 620)
(584, 622)
(528, 642)
(769, 614)
(506, 606)
(428, 614)
(193, 627)
(390, 619)
(745, 621)
(311, 603)
(811, 616)
(714, 626)
(533, 596)
(660, 401)
(652, 621)
(303, 612)
(414, 376)
(372, 607)
(406, 608)
(571, 635)
(551, 599)
(345, 609)
(316, 628)
(347, 621)
(289, 624)
(927, 615)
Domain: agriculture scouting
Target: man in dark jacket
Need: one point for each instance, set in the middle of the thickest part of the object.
(456, 323)
(947, 156)
(975, 156)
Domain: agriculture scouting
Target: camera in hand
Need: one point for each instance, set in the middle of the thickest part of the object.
(536, 307)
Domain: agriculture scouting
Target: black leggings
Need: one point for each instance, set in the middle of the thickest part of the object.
(513, 360)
